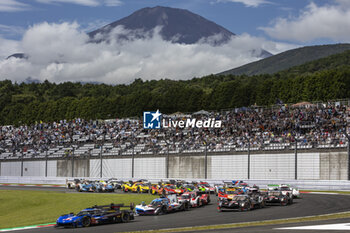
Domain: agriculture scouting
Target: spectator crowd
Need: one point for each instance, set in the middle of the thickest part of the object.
(306, 125)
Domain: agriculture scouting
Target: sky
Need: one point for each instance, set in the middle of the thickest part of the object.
(53, 33)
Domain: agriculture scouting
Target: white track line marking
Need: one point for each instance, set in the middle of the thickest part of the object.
(328, 227)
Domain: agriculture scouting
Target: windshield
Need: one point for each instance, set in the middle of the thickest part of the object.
(285, 188)
(81, 213)
(239, 198)
(170, 187)
(144, 185)
(274, 193)
(206, 185)
(156, 202)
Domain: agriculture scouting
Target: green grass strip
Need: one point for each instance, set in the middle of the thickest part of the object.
(251, 224)
(27, 227)
(24, 207)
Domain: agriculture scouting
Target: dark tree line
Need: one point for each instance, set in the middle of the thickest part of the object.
(34, 102)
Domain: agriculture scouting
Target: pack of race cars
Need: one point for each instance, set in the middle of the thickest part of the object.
(175, 196)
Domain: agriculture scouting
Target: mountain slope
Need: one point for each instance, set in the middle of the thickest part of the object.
(180, 25)
(288, 59)
(336, 61)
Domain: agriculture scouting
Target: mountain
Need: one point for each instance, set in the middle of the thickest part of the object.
(288, 59)
(336, 61)
(178, 25)
(18, 55)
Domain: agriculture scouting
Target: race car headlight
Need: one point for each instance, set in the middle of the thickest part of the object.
(242, 204)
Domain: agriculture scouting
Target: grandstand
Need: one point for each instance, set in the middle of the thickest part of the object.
(277, 128)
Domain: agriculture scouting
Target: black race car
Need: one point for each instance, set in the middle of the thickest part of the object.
(238, 202)
(277, 197)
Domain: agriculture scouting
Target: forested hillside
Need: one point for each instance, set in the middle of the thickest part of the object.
(28, 103)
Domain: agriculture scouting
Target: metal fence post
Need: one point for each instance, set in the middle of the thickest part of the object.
(248, 158)
(206, 161)
(73, 162)
(133, 160)
(22, 163)
(296, 158)
(101, 160)
(46, 164)
(167, 161)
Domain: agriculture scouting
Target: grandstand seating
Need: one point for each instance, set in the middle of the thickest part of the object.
(317, 126)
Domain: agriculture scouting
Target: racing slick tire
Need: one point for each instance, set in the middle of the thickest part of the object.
(126, 217)
(284, 203)
(138, 190)
(114, 219)
(86, 222)
(290, 201)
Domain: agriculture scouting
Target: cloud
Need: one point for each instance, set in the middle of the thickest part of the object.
(248, 3)
(61, 52)
(8, 47)
(11, 30)
(12, 6)
(90, 3)
(314, 22)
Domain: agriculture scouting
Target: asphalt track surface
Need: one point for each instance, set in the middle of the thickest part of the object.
(310, 204)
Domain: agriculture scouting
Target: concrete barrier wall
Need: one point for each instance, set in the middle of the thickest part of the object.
(310, 166)
(334, 166)
(150, 168)
(118, 168)
(272, 166)
(223, 166)
(11, 169)
(37, 168)
(186, 166)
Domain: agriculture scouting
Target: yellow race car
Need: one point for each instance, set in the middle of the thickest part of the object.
(141, 187)
(127, 187)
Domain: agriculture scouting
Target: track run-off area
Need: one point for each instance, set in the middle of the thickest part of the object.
(314, 204)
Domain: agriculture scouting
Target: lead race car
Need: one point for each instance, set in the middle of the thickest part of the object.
(97, 215)
(162, 205)
(240, 202)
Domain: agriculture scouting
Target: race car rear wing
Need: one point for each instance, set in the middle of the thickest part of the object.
(115, 206)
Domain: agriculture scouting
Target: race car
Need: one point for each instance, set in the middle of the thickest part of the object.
(208, 188)
(126, 187)
(162, 205)
(219, 188)
(116, 183)
(288, 188)
(277, 197)
(103, 186)
(238, 202)
(190, 188)
(96, 215)
(141, 187)
(71, 184)
(229, 193)
(285, 189)
(167, 189)
(86, 186)
(196, 199)
(155, 189)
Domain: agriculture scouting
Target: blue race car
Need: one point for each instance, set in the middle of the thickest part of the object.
(96, 215)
